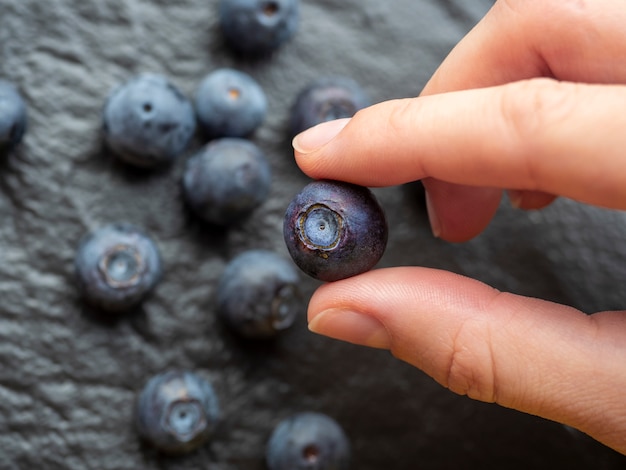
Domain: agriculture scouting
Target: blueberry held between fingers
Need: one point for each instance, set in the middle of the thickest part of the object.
(117, 266)
(13, 117)
(334, 230)
(230, 103)
(326, 99)
(177, 411)
(258, 295)
(257, 27)
(308, 441)
(147, 121)
(226, 180)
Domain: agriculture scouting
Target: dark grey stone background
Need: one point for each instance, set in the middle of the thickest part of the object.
(68, 378)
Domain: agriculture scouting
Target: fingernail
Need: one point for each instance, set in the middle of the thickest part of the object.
(353, 327)
(433, 218)
(515, 198)
(316, 137)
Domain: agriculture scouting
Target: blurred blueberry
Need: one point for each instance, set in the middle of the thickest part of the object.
(117, 266)
(334, 230)
(257, 27)
(230, 103)
(177, 411)
(326, 99)
(258, 294)
(308, 441)
(147, 121)
(13, 117)
(226, 180)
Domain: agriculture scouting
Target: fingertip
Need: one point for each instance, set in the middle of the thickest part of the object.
(352, 327)
(530, 200)
(458, 213)
(318, 136)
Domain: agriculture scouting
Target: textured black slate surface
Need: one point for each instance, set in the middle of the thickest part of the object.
(68, 378)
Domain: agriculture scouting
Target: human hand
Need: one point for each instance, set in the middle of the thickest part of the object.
(530, 101)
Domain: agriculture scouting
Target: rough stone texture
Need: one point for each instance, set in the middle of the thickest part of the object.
(68, 378)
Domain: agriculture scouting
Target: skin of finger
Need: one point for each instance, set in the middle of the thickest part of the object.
(573, 40)
(530, 200)
(528, 135)
(585, 44)
(458, 213)
(527, 354)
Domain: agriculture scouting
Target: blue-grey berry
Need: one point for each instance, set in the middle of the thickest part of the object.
(258, 27)
(177, 411)
(334, 230)
(13, 117)
(148, 121)
(117, 266)
(258, 294)
(230, 103)
(326, 99)
(308, 441)
(226, 180)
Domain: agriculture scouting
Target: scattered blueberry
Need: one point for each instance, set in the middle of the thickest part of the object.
(334, 230)
(12, 117)
(226, 180)
(258, 294)
(326, 99)
(230, 103)
(258, 27)
(308, 441)
(147, 121)
(177, 411)
(117, 266)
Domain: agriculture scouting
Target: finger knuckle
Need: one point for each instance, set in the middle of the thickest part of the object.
(531, 110)
(471, 369)
(400, 114)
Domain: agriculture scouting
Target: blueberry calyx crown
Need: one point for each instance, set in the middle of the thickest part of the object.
(121, 266)
(285, 303)
(311, 453)
(337, 109)
(185, 419)
(320, 227)
(269, 9)
(234, 93)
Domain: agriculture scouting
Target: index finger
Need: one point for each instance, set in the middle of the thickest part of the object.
(541, 135)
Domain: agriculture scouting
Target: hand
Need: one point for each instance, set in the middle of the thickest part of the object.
(531, 101)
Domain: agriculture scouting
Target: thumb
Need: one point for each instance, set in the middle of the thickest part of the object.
(528, 354)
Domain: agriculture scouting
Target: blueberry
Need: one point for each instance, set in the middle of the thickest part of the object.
(147, 121)
(308, 441)
(230, 103)
(226, 180)
(117, 266)
(258, 27)
(177, 411)
(257, 294)
(335, 230)
(12, 117)
(326, 99)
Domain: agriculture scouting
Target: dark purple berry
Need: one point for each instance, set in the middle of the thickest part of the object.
(147, 121)
(308, 441)
(258, 27)
(177, 411)
(334, 230)
(117, 266)
(230, 103)
(258, 295)
(326, 99)
(13, 117)
(226, 180)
